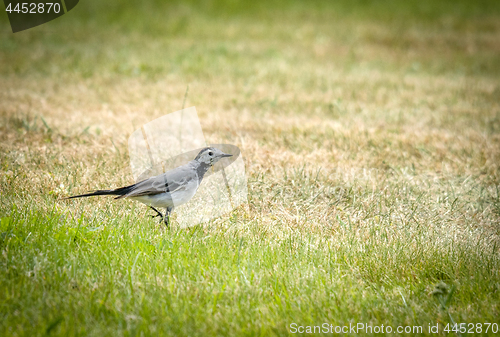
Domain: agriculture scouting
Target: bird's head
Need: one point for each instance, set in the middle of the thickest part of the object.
(210, 156)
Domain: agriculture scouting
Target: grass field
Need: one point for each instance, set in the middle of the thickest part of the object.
(371, 137)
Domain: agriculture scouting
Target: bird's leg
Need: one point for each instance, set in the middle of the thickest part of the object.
(158, 213)
(166, 219)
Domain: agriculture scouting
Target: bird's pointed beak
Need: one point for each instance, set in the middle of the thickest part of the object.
(226, 155)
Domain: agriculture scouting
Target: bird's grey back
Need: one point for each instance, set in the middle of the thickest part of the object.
(171, 181)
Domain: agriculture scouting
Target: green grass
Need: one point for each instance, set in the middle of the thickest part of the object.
(124, 276)
(370, 133)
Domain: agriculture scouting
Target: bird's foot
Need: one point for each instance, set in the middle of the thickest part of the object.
(166, 218)
(158, 213)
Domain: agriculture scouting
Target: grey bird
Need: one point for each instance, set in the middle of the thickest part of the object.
(170, 189)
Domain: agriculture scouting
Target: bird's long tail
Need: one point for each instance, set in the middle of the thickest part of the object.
(120, 192)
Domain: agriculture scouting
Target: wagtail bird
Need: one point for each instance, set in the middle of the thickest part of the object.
(170, 189)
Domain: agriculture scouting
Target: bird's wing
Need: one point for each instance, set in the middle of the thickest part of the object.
(171, 181)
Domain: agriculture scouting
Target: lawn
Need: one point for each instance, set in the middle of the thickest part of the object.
(370, 132)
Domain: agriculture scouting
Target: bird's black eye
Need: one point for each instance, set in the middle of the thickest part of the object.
(210, 153)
